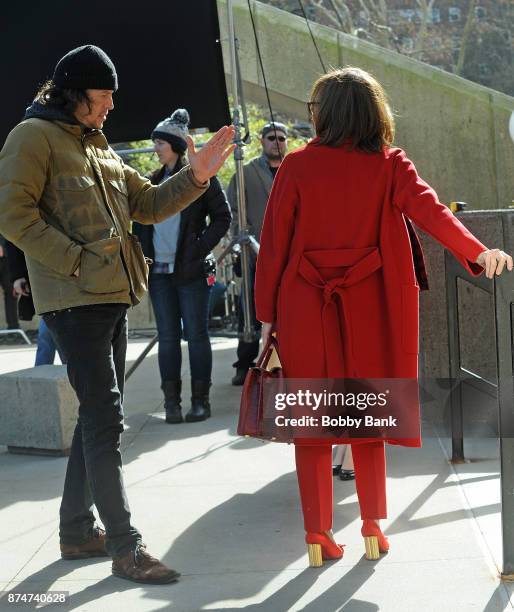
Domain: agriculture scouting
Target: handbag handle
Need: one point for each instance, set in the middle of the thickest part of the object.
(265, 356)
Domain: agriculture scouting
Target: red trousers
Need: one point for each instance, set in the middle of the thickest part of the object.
(314, 470)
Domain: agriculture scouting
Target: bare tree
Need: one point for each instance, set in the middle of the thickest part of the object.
(340, 7)
(337, 13)
(377, 17)
(425, 7)
(468, 28)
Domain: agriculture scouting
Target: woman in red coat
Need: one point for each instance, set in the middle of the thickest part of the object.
(336, 279)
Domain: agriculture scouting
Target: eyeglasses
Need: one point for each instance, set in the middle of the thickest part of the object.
(279, 138)
(309, 106)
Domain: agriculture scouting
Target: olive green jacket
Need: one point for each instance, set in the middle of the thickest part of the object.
(67, 200)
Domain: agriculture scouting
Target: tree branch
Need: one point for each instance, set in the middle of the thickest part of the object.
(465, 37)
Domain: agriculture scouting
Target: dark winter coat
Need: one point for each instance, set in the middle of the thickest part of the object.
(196, 239)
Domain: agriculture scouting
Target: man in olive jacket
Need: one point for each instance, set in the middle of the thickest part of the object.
(66, 200)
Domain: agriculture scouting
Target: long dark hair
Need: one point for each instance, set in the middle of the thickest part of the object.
(66, 100)
(349, 105)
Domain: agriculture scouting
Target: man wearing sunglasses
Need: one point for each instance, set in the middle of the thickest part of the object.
(259, 174)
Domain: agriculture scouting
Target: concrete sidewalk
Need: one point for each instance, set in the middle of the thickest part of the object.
(224, 511)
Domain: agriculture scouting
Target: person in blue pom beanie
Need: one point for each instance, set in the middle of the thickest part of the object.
(182, 275)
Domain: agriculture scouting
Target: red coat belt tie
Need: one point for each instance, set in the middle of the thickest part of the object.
(335, 316)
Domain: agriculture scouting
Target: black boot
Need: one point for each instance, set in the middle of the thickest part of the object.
(239, 379)
(171, 389)
(200, 407)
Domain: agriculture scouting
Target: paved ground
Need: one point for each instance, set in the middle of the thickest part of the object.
(224, 511)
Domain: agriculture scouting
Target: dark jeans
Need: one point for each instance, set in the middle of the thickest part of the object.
(93, 341)
(11, 303)
(247, 352)
(216, 301)
(173, 306)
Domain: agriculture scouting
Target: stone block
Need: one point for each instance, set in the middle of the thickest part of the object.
(38, 410)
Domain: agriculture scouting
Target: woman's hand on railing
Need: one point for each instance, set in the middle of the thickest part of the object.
(493, 261)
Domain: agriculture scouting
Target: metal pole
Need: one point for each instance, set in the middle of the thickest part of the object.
(455, 399)
(248, 331)
(141, 357)
(503, 298)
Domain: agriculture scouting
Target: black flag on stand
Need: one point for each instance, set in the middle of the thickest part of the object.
(167, 55)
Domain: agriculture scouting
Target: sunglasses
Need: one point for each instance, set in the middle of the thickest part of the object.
(279, 138)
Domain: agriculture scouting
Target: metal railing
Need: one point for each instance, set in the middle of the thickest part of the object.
(502, 290)
(20, 332)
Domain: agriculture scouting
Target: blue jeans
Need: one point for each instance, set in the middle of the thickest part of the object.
(216, 296)
(45, 354)
(176, 306)
(93, 341)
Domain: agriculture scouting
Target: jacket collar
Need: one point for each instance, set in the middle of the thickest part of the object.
(80, 132)
(68, 123)
(157, 175)
(49, 112)
(262, 162)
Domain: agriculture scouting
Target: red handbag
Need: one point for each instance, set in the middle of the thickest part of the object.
(252, 411)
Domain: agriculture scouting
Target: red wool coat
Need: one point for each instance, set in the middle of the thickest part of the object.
(335, 270)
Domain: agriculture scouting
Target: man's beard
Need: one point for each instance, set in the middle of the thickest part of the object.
(273, 156)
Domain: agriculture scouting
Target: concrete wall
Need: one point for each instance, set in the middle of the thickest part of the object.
(476, 315)
(454, 130)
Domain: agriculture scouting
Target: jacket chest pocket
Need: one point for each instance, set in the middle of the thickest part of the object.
(119, 194)
(77, 184)
(77, 202)
(73, 189)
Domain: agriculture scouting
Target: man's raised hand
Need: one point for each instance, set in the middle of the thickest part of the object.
(208, 160)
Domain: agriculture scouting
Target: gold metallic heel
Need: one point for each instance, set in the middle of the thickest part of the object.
(315, 558)
(372, 550)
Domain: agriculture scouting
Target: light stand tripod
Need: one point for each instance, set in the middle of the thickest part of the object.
(244, 238)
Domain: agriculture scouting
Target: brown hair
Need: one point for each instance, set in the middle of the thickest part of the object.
(349, 104)
(66, 100)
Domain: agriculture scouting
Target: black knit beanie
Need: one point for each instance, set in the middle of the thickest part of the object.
(86, 67)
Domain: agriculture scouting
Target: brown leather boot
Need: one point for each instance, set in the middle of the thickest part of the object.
(139, 566)
(95, 547)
